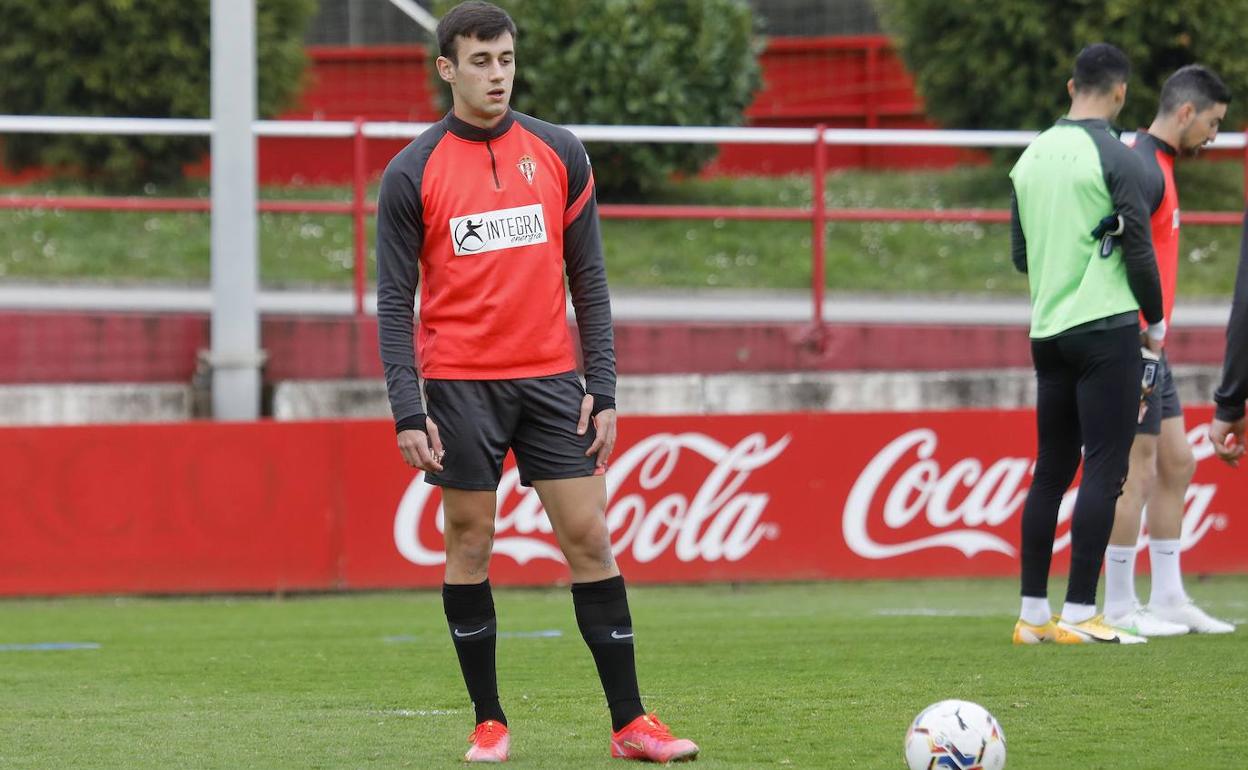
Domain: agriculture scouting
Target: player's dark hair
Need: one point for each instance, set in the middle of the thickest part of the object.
(1196, 84)
(1100, 67)
(477, 19)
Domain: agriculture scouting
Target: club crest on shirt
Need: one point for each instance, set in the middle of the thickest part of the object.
(528, 167)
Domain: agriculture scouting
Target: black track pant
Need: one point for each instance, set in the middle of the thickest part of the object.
(1088, 394)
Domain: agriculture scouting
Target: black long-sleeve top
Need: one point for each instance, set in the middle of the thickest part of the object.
(1231, 394)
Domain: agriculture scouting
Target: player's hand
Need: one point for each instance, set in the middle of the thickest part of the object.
(604, 426)
(421, 449)
(1228, 440)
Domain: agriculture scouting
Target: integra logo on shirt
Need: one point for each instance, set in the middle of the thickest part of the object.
(497, 230)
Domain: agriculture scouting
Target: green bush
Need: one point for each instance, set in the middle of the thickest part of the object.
(130, 58)
(1005, 64)
(635, 62)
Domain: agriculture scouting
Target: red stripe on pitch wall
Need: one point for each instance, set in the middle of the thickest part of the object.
(100, 347)
(163, 347)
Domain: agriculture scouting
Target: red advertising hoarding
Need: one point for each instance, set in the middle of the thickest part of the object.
(329, 505)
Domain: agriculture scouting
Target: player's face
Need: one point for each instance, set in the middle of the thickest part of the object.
(1203, 129)
(481, 80)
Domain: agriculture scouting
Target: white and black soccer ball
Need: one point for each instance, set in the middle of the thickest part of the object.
(955, 735)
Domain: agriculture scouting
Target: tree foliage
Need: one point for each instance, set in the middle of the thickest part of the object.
(1005, 64)
(130, 58)
(635, 62)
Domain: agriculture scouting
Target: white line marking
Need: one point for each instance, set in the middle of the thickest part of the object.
(929, 612)
(49, 646)
(417, 712)
(553, 633)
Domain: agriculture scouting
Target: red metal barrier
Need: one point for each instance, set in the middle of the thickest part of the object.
(818, 215)
(606, 210)
(323, 506)
(360, 207)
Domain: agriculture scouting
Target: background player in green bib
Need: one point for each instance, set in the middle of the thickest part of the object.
(1087, 294)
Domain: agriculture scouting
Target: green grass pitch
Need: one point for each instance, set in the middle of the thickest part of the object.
(803, 675)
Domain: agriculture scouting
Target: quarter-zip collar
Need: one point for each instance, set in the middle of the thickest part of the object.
(472, 133)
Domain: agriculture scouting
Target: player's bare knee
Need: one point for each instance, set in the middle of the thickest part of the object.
(1177, 472)
(470, 542)
(591, 545)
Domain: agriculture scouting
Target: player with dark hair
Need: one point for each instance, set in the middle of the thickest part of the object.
(492, 208)
(1079, 229)
(1192, 106)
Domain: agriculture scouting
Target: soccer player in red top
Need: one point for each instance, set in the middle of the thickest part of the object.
(1193, 104)
(487, 211)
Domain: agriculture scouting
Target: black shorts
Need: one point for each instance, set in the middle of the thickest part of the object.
(1162, 403)
(479, 420)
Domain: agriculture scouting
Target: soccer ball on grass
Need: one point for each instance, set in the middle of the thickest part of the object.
(955, 735)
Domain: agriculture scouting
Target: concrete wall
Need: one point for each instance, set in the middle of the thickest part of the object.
(746, 393)
(105, 403)
(656, 394)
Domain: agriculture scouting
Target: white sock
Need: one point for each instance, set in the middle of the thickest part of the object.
(1119, 580)
(1077, 613)
(1167, 575)
(1036, 610)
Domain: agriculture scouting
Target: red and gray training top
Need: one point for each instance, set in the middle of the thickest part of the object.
(1163, 199)
(491, 219)
(1163, 196)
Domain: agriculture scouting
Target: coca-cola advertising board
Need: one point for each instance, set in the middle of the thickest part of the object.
(329, 505)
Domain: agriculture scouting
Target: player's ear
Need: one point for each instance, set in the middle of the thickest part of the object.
(446, 69)
(1070, 87)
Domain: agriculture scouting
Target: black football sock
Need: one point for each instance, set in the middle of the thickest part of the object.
(470, 615)
(602, 615)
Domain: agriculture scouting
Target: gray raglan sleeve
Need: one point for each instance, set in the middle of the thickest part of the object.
(1018, 241)
(1231, 394)
(587, 277)
(400, 232)
(1124, 175)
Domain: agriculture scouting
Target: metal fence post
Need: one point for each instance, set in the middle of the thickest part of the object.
(235, 357)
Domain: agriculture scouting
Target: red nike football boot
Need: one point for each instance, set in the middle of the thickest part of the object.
(648, 739)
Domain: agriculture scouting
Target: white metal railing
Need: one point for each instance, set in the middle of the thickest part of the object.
(858, 137)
